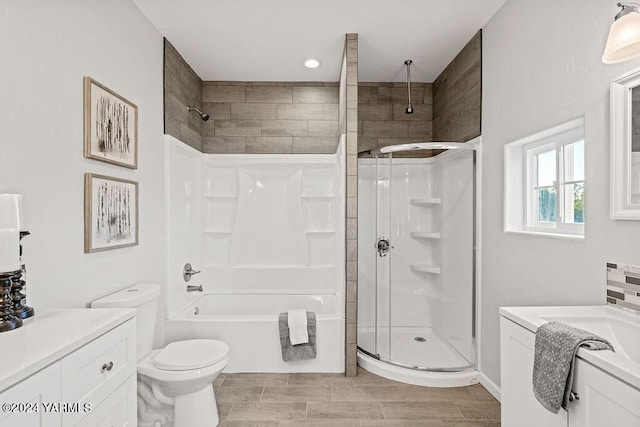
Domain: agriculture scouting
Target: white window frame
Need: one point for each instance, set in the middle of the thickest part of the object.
(516, 169)
(557, 142)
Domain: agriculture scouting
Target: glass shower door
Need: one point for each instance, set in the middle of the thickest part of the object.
(374, 253)
(383, 254)
(416, 260)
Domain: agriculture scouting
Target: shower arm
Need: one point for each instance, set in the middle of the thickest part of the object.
(408, 63)
(409, 109)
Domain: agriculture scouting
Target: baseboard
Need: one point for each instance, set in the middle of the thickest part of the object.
(490, 386)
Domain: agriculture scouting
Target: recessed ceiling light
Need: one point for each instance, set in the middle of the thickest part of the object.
(312, 63)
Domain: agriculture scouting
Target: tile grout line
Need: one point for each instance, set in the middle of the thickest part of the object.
(384, 416)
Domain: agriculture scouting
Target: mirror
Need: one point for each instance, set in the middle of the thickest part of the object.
(635, 146)
(625, 146)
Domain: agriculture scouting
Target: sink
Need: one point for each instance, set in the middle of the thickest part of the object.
(620, 327)
(622, 334)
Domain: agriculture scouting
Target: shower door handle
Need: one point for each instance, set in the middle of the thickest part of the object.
(383, 246)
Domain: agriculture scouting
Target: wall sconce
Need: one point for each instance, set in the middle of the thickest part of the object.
(624, 35)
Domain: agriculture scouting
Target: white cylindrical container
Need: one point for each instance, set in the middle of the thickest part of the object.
(11, 212)
(9, 250)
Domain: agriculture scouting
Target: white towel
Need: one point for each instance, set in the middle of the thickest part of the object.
(297, 321)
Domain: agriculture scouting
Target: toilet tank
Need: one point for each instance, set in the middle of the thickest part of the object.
(144, 298)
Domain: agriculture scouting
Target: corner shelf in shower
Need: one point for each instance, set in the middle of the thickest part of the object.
(221, 232)
(427, 203)
(318, 196)
(425, 268)
(229, 197)
(425, 235)
(227, 267)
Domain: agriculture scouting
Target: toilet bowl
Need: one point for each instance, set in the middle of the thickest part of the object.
(175, 383)
(181, 376)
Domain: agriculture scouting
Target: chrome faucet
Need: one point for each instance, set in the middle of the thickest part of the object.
(188, 272)
(194, 288)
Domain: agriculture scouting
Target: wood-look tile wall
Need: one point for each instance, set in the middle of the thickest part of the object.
(270, 117)
(457, 96)
(351, 124)
(182, 88)
(382, 119)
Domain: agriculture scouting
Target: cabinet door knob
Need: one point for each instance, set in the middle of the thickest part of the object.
(107, 366)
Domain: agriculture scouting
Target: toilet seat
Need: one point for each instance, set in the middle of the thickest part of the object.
(190, 354)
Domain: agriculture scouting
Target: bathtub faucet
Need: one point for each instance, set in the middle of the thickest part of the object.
(188, 272)
(194, 288)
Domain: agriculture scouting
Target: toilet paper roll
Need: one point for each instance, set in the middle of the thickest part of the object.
(11, 212)
(9, 250)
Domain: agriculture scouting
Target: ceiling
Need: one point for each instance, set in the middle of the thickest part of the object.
(258, 40)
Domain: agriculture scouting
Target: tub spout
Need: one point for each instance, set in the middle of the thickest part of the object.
(193, 288)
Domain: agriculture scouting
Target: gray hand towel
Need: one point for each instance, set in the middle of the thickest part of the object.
(304, 351)
(555, 351)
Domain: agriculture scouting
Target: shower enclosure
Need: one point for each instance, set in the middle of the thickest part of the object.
(416, 264)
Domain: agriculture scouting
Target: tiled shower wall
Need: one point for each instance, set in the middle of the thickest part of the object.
(270, 117)
(623, 286)
(382, 119)
(351, 123)
(457, 96)
(182, 88)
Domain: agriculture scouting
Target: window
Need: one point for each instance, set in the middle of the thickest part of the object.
(552, 187)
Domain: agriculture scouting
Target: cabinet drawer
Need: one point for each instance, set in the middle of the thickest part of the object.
(117, 410)
(96, 370)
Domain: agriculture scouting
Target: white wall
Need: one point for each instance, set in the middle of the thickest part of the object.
(542, 67)
(45, 50)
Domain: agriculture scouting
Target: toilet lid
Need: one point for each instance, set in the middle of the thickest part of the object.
(190, 354)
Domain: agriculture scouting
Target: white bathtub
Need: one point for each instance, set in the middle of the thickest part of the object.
(249, 325)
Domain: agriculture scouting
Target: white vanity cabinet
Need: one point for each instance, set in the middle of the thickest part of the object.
(604, 400)
(77, 367)
(94, 371)
(519, 406)
(43, 387)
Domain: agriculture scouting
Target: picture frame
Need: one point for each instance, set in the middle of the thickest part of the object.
(110, 213)
(110, 126)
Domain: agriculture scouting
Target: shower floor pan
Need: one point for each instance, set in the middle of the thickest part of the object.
(418, 356)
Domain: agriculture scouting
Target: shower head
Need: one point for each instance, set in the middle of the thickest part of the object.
(409, 109)
(203, 116)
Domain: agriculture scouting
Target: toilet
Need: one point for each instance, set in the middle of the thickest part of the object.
(174, 383)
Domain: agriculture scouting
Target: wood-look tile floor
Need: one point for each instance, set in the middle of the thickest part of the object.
(367, 400)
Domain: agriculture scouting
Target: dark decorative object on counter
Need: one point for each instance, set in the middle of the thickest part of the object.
(8, 321)
(19, 298)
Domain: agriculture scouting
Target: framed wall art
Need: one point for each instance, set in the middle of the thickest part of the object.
(110, 213)
(110, 126)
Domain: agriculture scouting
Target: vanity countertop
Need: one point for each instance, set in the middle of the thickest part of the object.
(621, 328)
(49, 336)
